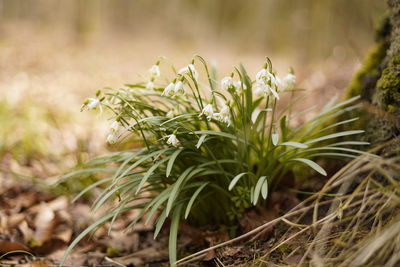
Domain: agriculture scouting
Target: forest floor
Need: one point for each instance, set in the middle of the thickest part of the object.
(38, 219)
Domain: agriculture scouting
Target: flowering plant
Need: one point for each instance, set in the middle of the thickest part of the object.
(210, 150)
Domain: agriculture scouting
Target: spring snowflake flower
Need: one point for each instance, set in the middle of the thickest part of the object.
(227, 83)
(224, 115)
(169, 90)
(172, 140)
(238, 85)
(264, 76)
(258, 90)
(189, 68)
(155, 71)
(112, 138)
(207, 111)
(91, 103)
(288, 81)
(266, 83)
(150, 85)
(264, 89)
(114, 127)
(178, 89)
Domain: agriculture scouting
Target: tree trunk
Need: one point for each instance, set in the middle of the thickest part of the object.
(378, 82)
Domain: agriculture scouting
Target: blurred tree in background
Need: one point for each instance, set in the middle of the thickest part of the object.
(304, 29)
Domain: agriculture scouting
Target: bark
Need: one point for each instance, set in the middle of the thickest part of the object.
(378, 82)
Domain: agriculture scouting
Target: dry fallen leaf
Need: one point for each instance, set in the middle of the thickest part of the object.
(59, 203)
(15, 219)
(44, 223)
(26, 231)
(38, 264)
(9, 246)
(64, 234)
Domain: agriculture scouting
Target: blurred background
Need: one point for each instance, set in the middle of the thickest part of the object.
(53, 54)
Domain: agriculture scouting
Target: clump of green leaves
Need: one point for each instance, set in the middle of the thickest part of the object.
(210, 149)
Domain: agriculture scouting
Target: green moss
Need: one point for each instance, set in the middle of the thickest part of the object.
(389, 86)
(383, 30)
(370, 67)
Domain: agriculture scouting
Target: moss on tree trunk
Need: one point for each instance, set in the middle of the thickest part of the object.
(378, 82)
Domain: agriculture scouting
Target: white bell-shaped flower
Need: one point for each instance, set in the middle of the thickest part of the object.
(155, 71)
(112, 138)
(288, 81)
(179, 90)
(189, 69)
(227, 83)
(207, 111)
(169, 90)
(150, 85)
(93, 103)
(224, 115)
(114, 127)
(172, 140)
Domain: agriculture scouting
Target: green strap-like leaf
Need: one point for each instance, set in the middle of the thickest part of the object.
(335, 135)
(175, 188)
(201, 140)
(312, 164)
(275, 138)
(264, 189)
(294, 144)
(173, 235)
(257, 189)
(338, 123)
(90, 187)
(350, 143)
(223, 134)
(140, 161)
(334, 155)
(193, 198)
(235, 180)
(171, 161)
(150, 172)
(160, 223)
